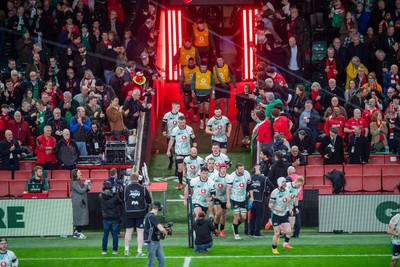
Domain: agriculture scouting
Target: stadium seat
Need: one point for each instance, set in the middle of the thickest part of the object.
(61, 174)
(390, 177)
(85, 174)
(315, 160)
(58, 184)
(324, 189)
(27, 165)
(314, 175)
(308, 187)
(377, 159)
(56, 193)
(319, 46)
(97, 185)
(99, 174)
(301, 170)
(17, 187)
(5, 175)
(353, 170)
(4, 188)
(328, 168)
(353, 183)
(23, 175)
(392, 159)
(372, 178)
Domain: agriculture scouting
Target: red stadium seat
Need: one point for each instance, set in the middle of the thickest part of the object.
(96, 186)
(314, 175)
(301, 170)
(85, 174)
(27, 165)
(17, 187)
(372, 178)
(377, 159)
(353, 183)
(324, 189)
(23, 175)
(99, 174)
(4, 188)
(315, 160)
(353, 170)
(5, 175)
(61, 174)
(329, 168)
(56, 193)
(392, 159)
(390, 176)
(58, 184)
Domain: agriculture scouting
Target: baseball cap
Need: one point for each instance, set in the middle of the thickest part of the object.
(157, 204)
(281, 180)
(80, 45)
(335, 130)
(223, 165)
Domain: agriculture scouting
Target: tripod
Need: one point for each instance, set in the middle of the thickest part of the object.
(242, 119)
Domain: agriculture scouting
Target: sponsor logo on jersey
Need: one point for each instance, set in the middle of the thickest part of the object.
(217, 164)
(284, 200)
(203, 192)
(3, 263)
(220, 186)
(219, 127)
(183, 137)
(241, 185)
(192, 167)
(175, 122)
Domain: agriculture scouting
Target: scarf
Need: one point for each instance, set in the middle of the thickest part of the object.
(314, 95)
(331, 64)
(378, 124)
(392, 125)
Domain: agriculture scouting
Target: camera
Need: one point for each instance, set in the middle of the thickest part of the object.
(89, 182)
(168, 228)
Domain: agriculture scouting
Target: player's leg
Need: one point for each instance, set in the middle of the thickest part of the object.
(276, 223)
(171, 158)
(292, 220)
(218, 214)
(128, 237)
(395, 255)
(207, 109)
(140, 236)
(225, 106)
(201, 109)
(195, 109)
(179, 161)
(224, 147)
(197, 209)
(286, 230)
(223, 219)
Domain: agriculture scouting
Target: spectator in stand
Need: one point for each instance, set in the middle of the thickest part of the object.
(68, 107)
(278, 168)
(333, 64)
(10, 152)
(379, 131)
(27, 113)
(298, 103)
(38, 178)
(83, 97)
(35, 84)
(106, 93)
(115, 115)
(356, 120)
(132, 108)
(265, 162)
(316, 97)
(84, 61)
(80, 206)
(264, 129)
(335, 120)
(80, 125)
(245, 104)
(282, 124)
(71, 84)
(393, 122)
(272, 103)
(356, 101)
(42, 115)
(295, 158)
(372, 84)
(337, 15)
(361, 78)
(93, 110)
(386, 39)
(304, 140)
(117, 83)
(359, 49)
(114, 24)
(392, 100)
(369, 111)
(36, 66)
(96, 139)
(45, 149)
(332, 91)
(391, 79)
(352, 69)
(19, 128)
(276, 77)
(382, 65)
(295, 59)
(362, 17)
(58, 124)
(10, 94)
(67, 152)
(309, 118)
(329, 109)
(358, 147)
(295, 29)
(331, 148)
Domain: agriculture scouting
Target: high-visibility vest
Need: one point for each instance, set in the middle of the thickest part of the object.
(188, 74)
(203, 80)
(185, 54)
(223, 74)
(201, 37)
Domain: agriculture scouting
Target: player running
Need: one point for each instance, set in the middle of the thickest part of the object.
(220, 129)
(294, 189)
(280, 206)
(192, 164)
(238, 183)
(394, 230)
(219, 201)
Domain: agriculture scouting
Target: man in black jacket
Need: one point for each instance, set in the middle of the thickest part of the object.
(10, 152)
(278, 169)
(266, 162)
(136, 200)
(67, 151)
(358, 147)
(331, 148)
(110, 207)
(58, 124)
(203, 229)
(304, 140)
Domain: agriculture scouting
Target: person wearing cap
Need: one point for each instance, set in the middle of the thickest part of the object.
(331, 148)
(106, 93)
(110, 207)
(238, 185)
(7, 257)
(203, 39)
(185, 84)
(304, 140)
(394, 230)
(220, 200)
(203, 87)
(186, 52)
(84, 61)
(220, 129)
(152, 227)
(223, 77)
(86, 37)
(280, 205)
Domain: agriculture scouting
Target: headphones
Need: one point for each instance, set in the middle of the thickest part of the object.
(74, 173)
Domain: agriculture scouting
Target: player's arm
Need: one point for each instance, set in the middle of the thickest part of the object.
(249, 188)
(171, 142)
(209, 129)
(228, 195)
(163, 125)
(14, 260)
(233, 79)
(228, 129)
(392, 227)
(296, 205)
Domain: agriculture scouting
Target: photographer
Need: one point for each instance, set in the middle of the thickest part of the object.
(153, 230)
(204, 229)
(110, 207)
(245, 104)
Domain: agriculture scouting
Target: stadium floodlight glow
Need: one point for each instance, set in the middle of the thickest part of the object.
(170, 56)
(251, 52)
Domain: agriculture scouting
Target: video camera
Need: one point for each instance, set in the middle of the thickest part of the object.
(168, 228)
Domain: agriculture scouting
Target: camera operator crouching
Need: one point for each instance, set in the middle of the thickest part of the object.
(153, 232)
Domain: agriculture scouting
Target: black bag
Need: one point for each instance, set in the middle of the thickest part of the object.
(337, 179)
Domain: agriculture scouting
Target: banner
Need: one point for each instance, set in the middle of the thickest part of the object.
(356, 213)
(35, 217)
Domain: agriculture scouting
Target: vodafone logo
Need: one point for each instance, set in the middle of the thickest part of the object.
(3, 263)
(291, 196)
(284, 200)
(203, 192)
(203, 80)
(220, 186)
(241, 185)
(183, 137)
(174, 122)
(219, 127)
(217, 164)
(221, 75)
(192, 167)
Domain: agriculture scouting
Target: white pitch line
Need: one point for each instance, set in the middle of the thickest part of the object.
(187, 261)
(215, 257)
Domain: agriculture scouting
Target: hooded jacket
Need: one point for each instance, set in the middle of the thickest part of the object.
(203, 229)
(110, 204)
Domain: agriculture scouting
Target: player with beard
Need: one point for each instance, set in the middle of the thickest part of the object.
(238, 183)
(185, 82)
(220, 198)
(218, 156)
(220, 129)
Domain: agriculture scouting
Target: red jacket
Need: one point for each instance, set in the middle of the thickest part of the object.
(21, 131)
(339, 122)
(41, 144)
(264, 132)
(281, 125)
